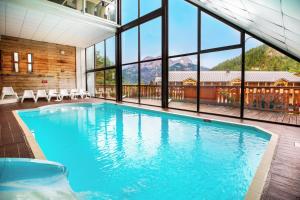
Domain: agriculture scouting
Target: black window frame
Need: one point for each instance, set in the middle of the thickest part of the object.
(163, 13)
(104, 68)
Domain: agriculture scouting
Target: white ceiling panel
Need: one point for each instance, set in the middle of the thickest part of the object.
(54, 23)
(276, 21)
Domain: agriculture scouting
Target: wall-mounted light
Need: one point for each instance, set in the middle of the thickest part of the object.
(16, 61)
(29, 62)
(1, 60)
(62, 52)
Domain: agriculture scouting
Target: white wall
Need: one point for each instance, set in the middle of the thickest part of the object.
(80, 68)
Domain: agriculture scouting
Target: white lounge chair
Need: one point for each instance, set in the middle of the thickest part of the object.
(53, 93)
(41, 94)
(84, 94)
(28, 94)
(8, 91)
(75, 94)
(64, 93)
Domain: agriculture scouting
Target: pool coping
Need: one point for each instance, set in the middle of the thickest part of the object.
(255, 190)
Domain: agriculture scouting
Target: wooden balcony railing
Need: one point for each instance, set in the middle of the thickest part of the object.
(281, 99)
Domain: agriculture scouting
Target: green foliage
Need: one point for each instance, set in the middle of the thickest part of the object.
(261, 58)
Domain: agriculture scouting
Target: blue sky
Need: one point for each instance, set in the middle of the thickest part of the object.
(182, 33)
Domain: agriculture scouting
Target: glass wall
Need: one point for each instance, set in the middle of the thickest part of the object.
(99, 84)
(272, 84)
(182, 27)
(110, 84)
(133, 9)
(183, 82)
(91, 83)
(101, 77)
(100, 8)
(89, 53)
(204, 65)
(220, 82)
(99, 53)
(141, 63)
(130, 83)
(183, 34)
(204, 62)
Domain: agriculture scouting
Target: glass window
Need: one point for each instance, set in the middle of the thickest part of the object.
(100, 54)
(130, 83)
(99, 84)
(151, 83)
(272, 84)
(91, 83)
(110, 84)
(216, 33)
(90, 58)
(147, 6)
(129, 10)
(130, 46)
(182, 27)
(151, 39)
(110, 52)
(220, 82)
(183, 82)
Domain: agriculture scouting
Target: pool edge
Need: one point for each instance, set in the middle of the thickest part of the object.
(35, 148)
(255, 190)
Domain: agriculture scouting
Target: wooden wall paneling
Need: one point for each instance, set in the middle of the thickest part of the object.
(52, 63)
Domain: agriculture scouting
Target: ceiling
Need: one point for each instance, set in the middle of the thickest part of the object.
(46, 21)
(276, 21)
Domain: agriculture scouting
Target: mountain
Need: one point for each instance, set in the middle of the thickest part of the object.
(152, 69)
(262, 58)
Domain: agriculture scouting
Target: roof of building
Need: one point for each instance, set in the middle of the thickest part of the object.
(224, 76)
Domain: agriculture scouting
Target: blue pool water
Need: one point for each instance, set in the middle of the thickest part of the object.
(120, 152)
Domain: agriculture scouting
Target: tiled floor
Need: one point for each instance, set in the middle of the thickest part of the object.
(283, 179)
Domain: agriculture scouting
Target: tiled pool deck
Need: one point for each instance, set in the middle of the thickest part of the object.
(283, 180)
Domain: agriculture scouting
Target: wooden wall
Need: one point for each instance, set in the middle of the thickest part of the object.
(51, 68)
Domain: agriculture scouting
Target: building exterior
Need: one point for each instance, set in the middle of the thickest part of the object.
(232, 78)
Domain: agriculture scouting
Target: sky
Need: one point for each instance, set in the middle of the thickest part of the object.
(182, 33)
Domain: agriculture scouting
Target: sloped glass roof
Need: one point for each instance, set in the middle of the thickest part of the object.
(276, 21)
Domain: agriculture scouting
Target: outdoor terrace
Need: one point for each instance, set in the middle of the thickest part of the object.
(275, 104)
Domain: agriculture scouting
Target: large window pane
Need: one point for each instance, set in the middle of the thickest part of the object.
(183, 82)
(110, 84)
(215, 33)
(220, 82)
(130, 46)
(110, 52)
(90, 58)
(99, 55)
(151, 83)
(129, 10)
(91, 83)
(130, 82)
(151, 39)
(99, 84)
(182, 27)
(272, 84)
(147, 6)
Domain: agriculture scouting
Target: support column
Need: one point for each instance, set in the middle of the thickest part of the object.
(165, 54)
